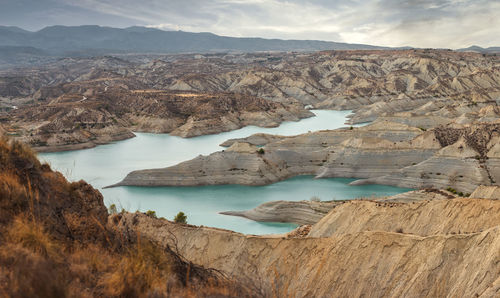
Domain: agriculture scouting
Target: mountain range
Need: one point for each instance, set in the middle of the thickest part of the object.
(63, 40)
(490, 50)
(21, 47)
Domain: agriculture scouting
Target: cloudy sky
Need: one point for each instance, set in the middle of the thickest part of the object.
(419, 23)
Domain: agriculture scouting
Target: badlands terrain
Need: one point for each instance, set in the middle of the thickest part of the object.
(80, 102)
(433, 126)
(434, 120)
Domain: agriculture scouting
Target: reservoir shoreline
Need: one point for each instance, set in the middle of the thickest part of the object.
(106, 164)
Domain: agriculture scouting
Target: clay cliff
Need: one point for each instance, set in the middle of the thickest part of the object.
(468, 158)
(428, 248)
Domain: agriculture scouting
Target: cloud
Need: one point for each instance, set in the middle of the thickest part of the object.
(421, 23)
(36, 14)
(448, 24)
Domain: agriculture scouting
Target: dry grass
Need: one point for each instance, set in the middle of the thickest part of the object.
(13, 195)
(16, 155)
(32, 263)
(144, 271)
(27, 274)
(32, 236)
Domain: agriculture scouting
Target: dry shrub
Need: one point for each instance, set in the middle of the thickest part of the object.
(10, 188)
(88, 265)
(23, 152)
(143, 271)
(33, 264)
(17, 157)
(149, 270)
(13, 196)
(17, 164)
(26, 274)
(32, 236)
(84, 229)
(31, 261)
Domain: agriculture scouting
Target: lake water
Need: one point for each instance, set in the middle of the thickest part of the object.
(108, 164)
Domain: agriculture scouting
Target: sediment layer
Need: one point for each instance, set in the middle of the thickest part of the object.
(458, 156)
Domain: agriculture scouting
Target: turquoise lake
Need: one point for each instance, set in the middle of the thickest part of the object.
(108, 164)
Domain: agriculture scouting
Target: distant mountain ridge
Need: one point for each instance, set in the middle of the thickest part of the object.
(479, 49)
(61, 40)
(19, 47)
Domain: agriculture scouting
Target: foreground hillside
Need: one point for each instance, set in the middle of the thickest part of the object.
(54, 242)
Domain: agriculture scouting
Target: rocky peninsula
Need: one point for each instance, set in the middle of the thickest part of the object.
(301, 212)
(312, 211)
(458, 156)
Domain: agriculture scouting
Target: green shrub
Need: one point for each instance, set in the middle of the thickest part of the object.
(112, 209)
(151, 213)
(180, 218)
(261, 151)
(452, 190)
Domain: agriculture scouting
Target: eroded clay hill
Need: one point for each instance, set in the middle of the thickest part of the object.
(421, 248)
(74, 119)
(421, 88)
(352, 79)
(458, 156)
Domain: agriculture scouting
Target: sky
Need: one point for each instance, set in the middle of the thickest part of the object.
(418, 23)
